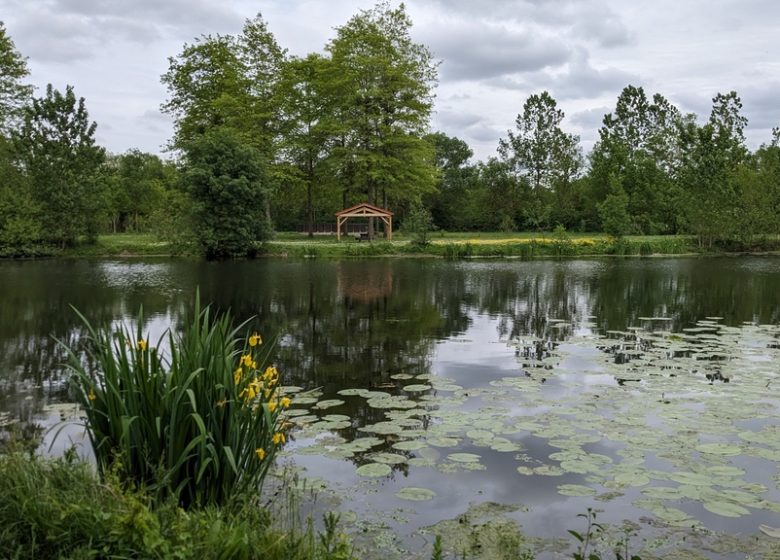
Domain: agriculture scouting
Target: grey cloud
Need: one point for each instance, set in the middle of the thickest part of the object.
(608, 31)
(186, 16)
(590, 119)
(484, 133)
(47, 37)
(65, 30)
(579, 80)
(591, 20)
(478, 51)
(457, 119)
(760, 106)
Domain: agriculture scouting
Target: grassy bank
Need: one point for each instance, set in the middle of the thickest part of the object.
(526, 245)
(487, 245)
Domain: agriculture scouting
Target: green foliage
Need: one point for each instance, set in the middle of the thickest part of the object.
(381, 82)
(540, 151)
(418, 225)
(13, 93)
(225, 180)
(56, 146)
(615, 218)
(58, 510)
(200, 426)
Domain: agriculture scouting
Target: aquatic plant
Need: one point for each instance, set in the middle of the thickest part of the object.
(199, 421)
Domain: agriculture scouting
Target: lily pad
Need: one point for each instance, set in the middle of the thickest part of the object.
(374, 470)
(464, 457)
(577, 490)
(726, 509)
(328, 403)
(416, 388)
(415, 494)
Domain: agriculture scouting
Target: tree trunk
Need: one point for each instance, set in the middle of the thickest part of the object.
(309, 202)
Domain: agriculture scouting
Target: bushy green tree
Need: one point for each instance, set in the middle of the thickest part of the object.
(452, 205)
(615, 219)
(56, 147)
(383, 83)
(638, 148)
(224, 178)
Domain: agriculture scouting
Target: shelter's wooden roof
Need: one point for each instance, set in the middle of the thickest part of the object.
(364, 209)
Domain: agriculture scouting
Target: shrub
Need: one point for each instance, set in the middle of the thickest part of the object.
(200, 425)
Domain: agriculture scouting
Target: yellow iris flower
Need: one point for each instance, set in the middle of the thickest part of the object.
(92, 396)
(260, 453)
(255, 339)
(278, 438)
(285, 402)
(142, 345)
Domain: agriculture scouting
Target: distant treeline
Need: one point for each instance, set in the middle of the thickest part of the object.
(267, 141)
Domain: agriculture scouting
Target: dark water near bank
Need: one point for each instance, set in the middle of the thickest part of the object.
(355, 324)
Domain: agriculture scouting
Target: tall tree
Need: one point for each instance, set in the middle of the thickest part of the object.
(384, 83)
(208, 87)
(307, 131)
(711, 159)
(638, 149)
(541, 152)
(14, 94)
(450, 204)
(56, 145)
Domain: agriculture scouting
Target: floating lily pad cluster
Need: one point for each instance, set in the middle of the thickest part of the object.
(662, 414)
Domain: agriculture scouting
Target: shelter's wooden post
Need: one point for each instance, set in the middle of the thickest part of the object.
(338, 229)
(390, 229)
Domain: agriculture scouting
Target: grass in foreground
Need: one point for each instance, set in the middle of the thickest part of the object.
(57, 509)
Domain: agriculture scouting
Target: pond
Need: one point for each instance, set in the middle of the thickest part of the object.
(437, 393)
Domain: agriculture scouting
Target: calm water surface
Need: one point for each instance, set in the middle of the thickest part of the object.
(500, 344)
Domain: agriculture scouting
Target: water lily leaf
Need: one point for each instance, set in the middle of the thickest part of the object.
(328, 403)
(409, 445)
(353, 392)
(464, 457)
(416, 388)
(694, 479)
(719, 448)
(726, 509)
(770, 531)
(443, 441)
(576, 490)
(374, 470)
(415, 494)
(388, 458)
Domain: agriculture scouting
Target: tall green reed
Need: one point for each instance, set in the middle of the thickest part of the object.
(199, 422)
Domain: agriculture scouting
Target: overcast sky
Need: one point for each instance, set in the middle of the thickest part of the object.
(493, 53)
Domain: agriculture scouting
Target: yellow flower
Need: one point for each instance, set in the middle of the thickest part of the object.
(92, 396)
(246, 360)
(285, 402)
(253, 365)
(278, 438)
(272, 405)
(255, 339)
(142, 344)
(270, 372)
(237, 375)
(260, 453)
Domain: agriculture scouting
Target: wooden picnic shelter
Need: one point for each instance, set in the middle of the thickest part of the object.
(365, 210)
